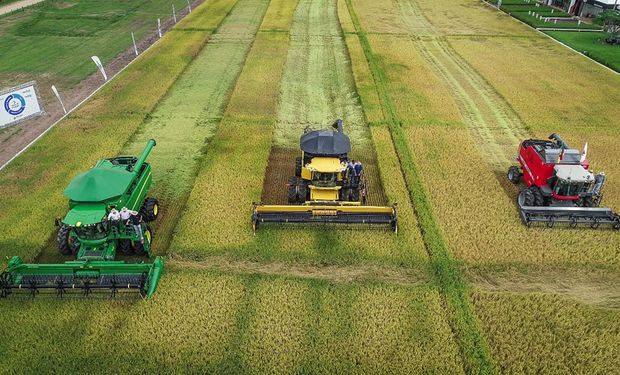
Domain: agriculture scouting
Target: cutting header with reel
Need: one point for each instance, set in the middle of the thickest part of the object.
(558, 186)
(328, 187)
(89, 232)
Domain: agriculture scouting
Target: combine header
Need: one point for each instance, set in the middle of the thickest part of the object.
(559, 188)
(327, 187)
(87, 233)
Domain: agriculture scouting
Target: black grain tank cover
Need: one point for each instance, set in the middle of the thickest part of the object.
(326, 142)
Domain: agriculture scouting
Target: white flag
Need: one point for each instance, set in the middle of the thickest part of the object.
(100, 66)
(60, 100)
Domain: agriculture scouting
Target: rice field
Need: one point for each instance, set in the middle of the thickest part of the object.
(435, 97)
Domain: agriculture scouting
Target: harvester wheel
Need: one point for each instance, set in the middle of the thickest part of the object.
(539, 200)
(298, 166)
(302, 192)
(292, 190)
(150, 209)
(514, 175)
(138, 247)
(124, 247)
(67, 244)
(528, 197)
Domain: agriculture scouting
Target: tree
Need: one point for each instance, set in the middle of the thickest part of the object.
(610, 19)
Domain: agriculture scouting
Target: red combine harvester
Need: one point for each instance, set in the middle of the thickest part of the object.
(559, 188)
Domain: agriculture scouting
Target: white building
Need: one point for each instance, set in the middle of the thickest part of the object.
(591, 8)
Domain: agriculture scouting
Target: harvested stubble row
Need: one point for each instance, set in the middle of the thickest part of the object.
(32, 185)
(186, 119)
(232, 146)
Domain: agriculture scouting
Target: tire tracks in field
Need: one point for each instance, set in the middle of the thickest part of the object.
(316, 89)
(186, 120)
(491, 119)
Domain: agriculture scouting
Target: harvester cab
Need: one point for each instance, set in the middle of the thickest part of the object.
(324, 172)
(558, 185)
(88, 232)
(328, 187)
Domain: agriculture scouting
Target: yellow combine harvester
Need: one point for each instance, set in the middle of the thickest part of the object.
(328, 187)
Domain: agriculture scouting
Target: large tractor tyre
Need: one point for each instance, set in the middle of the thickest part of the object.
(539, 199)
(138, 247)
(298, 166)
(67, 243)
(303, 193)
(527, 198)
(124, 247)
(514, 175)
(150, 209)
(292, 190)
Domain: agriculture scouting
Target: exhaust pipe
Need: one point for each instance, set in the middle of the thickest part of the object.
(559, 141)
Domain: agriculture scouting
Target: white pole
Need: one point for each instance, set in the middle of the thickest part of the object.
(100, 66)
(60, 100)
(189, 6)
(159, 27)
(135, 48)
(174, 14)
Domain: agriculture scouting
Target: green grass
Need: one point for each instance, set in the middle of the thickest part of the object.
(56, 39)
(591, 44)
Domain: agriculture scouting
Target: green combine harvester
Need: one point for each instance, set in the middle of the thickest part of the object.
(87, 233)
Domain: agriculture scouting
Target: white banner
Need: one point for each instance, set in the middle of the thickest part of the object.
(18, 104)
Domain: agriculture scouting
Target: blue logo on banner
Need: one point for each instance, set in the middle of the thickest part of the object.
(14, 99)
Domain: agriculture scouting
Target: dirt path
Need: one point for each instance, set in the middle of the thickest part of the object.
(340, 274)
(18, 5)
(596, 288)
(491, 119)
(14, 139)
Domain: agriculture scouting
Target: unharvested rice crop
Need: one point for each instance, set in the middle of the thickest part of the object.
(419, 96)
(317, 86)
(221, 322)
(546, 333)
(565, 91)
(279, 15)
